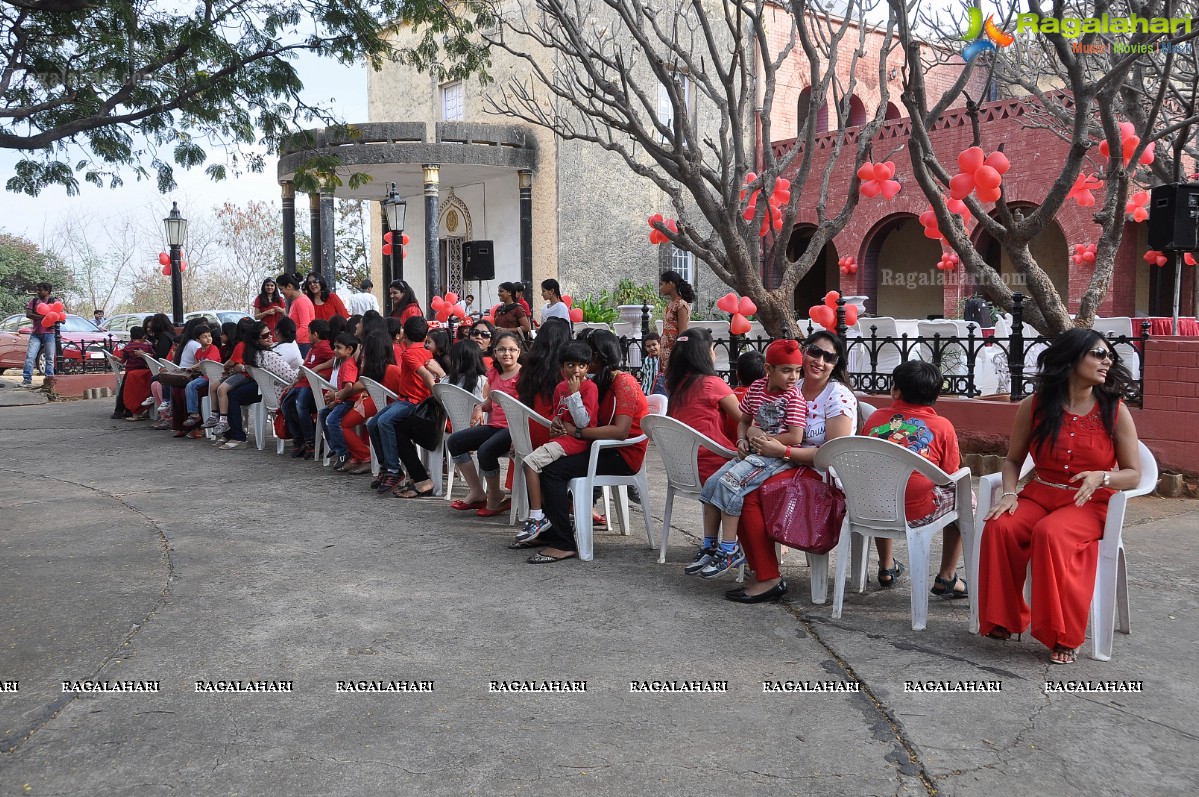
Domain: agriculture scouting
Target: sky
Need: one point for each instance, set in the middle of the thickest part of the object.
(36, 218)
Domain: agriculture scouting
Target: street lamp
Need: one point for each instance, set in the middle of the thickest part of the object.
(176, 227)
(396, 208)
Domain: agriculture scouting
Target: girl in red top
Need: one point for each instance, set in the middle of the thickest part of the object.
(325, 303)
(1078, 432)
(136, 387)
(403, 301)
(700, 398)
(621, 407)
(234, 377)
(378, 363)
(269, 306)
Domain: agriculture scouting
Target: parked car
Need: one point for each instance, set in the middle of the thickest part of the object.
(79, 336)
(218, 317)
(123, 322)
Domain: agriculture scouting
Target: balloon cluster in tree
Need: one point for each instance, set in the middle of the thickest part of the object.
(447, 306)
(929, 219)
(53, 313)
(1137, 208)
(738, 308)
(1080, 192)
(826, 314)
(848, 265)
(1129, 141)
(387, 248)
(656, 236)
(165, 261)
(1083, 253)
(779, 196)
(980, 173)
(878, 178)
(1156, 258)
(949, 262)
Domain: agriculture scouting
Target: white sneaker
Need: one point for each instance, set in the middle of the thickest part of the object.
(149, 402)
(164, 406)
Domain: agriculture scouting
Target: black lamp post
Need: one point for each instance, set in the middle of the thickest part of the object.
(396, 209)
(176, 227)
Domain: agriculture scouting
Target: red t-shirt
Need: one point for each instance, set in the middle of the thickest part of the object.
(590, 394)
(322, 352)
(271, 320)
(540, 435)
(209, 352)
(497, 384)
(408, 312)
(239, 352)
(918, 428)
(699, 408)
(347, 373)
(625, 398)
(302, 312)
(412, 388)
(332, 306)
(730, 426)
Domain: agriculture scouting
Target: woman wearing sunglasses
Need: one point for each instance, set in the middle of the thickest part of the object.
(1077, 430)
(832, 412)
(483, 333)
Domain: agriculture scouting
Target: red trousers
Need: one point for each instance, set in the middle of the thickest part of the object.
(751, 531)
(353, 423)
(1062, 541)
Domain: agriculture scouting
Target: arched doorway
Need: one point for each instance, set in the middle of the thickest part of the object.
(824, 276)
(892, 112)
(857, 112)
(1049, 249)
(803, 108)
(900, 265)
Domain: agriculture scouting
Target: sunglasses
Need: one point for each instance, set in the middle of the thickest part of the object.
(818, 353)
(1102, 354)
(480, 333)
(264, 336)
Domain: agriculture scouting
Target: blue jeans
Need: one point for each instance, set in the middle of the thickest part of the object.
(193, 390)
(244, 394)
(382, 429)
(331, 423)
(726, 488)
(37, 342)
(297, 411)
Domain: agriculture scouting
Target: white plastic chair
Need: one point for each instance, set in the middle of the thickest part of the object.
(519, 417)
(459, 406)
(583, 488)
(154, 365)
(1110, 600)
(874, 474)
(319, 386)
(678, 445)
(657, 404)
(268, 385)
(380, 397)
(212, 371)
(118, 370)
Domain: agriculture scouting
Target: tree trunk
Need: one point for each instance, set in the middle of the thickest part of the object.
(775, 313)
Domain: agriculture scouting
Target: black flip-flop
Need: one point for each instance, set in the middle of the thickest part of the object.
(542, 559)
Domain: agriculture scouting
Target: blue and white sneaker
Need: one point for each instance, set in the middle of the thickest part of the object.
(532, 529)
(701, 560)
(723, 562)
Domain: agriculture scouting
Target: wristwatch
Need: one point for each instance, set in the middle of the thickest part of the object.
(1107, 478)
(579, 432)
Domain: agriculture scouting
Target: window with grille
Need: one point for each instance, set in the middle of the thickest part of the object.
(683, 262)
(666, 107)
(451, 102)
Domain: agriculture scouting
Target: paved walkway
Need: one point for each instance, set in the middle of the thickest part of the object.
(128, 556)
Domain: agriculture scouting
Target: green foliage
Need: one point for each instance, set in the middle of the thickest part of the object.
(597, 310)
(629, 292)
(22, 266)
(94, 88)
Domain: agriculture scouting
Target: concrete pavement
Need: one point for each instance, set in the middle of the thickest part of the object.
(132, 558)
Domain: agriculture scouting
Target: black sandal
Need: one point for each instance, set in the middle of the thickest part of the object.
(892, 574)
(944, 588)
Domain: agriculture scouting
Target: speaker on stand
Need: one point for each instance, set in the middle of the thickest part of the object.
(478, 264)
(1174, 227)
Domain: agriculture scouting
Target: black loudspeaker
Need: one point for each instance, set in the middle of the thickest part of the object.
(478, 260)
(1174, 217)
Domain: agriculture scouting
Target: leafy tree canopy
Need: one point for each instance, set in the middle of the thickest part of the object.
(22, 266)
(90, 88)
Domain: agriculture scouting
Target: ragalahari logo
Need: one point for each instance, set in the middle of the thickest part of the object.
(994, 36)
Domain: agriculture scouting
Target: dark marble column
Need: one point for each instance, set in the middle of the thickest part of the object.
(432, 243)
(327, 239)
(314, 229)
(289, 226)
(525, 182)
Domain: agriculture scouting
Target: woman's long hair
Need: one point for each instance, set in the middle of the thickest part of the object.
(1055, 365)
(228, 339)
(841, 367)
(407, 297)
(681, 286)
(540, 372)
(377, 354)
(254, 347)
(441, 347)
(265, 299)
(483, 322)
(690, 361)
(606, 347)
(318, 279)
(187, 336)
(466, 366)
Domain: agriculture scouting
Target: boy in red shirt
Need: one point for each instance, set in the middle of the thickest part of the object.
(576, 399)
(136, 388)
(415, 385)
(912, 422)
(345, 377)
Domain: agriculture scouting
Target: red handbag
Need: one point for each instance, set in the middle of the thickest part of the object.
(803, 513)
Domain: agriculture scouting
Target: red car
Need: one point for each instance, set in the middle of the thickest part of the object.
(79, 337)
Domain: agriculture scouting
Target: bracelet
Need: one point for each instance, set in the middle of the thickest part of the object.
(787, 453)
(1009, 492)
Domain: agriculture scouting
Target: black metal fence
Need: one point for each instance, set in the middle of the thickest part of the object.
(73, 357)
(972, 365)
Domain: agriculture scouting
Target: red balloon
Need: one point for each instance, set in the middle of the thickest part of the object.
(42, 309)
(387, 237)
(823, 315)
(986, 177)
(567, 300)
(851, 315)
(890, 189)
(960, 186)
(164, 259)
(404, 239)
(988, 195)
(999, 162)
(881, 172)
(866, 172)
(727, 303)
(458, 312)
(443, 314)
(746, 306)
(437, 303)
(830, 298)
(182, 266)
(576, 314)
(387, 250)
(971, 159)
(166, 271)
(739, 325)
(870, 188)
(451, 297)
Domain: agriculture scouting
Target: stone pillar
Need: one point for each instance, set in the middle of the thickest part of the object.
(314, 229)
(432, 244)
(289, 226)
(525, 182)
(327, 239)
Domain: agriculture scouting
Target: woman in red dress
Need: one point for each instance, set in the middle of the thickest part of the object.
(269, 306)
(403, 301)
(326, 303)
(1078, 431)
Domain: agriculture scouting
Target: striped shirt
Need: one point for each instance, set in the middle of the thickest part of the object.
(774, 413)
